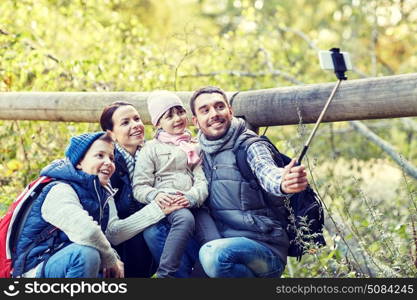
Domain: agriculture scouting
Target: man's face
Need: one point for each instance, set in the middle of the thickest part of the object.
(213, 115)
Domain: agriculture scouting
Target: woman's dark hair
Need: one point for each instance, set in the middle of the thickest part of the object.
(206, 90)
(106, 118)
(106, 138)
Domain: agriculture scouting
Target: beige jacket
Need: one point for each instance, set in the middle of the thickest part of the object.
(162, 167)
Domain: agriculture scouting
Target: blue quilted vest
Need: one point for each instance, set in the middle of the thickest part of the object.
(92, 197)
(239, 208)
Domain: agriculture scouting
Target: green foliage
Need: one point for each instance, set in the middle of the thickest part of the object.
(121, 45)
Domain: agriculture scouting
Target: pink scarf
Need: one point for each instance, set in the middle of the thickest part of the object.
(184, 142)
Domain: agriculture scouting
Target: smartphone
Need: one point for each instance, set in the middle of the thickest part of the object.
(326, 61)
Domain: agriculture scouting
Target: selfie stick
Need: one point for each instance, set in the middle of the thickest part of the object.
(339, 69)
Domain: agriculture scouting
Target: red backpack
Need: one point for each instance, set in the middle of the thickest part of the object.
(11, 223)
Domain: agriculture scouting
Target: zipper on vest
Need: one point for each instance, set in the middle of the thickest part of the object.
(99, 202)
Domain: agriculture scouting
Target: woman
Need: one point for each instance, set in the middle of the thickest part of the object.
(122, 121)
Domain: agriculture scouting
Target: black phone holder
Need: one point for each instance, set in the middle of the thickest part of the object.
(339, 64)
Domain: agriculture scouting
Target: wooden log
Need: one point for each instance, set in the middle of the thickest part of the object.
(371, 98)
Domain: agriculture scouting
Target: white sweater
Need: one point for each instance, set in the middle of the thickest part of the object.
(62, 208)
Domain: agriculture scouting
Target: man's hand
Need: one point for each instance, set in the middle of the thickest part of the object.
(294, 179)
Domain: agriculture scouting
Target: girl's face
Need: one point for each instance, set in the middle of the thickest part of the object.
(99, 160)
(128, 130)
(174, 121)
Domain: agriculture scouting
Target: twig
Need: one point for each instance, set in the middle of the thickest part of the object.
(268, 62)
(313, 46)
(409, 124)
(274, 73)
(385, 146)
(339, 232)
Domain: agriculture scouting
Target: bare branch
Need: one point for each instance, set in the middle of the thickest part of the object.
(302, 35)
(268, 62)
(409, 124)
(50, 56)
(313, 46)
(275, 73)
(385, 146)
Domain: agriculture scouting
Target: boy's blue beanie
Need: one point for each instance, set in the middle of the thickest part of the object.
(79, 146)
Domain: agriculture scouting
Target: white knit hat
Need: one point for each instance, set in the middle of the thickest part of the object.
(161, 101)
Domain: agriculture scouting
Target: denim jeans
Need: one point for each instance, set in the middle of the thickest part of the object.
(73, 261)
(156, 238)
(239, 257)
(137, 259)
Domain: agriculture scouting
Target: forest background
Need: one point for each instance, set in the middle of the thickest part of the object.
(180, 45)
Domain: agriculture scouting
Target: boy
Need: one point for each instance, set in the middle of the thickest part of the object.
(75, 207)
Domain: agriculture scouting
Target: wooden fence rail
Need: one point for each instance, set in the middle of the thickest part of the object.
(371, 98)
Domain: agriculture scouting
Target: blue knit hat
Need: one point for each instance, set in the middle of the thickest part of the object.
(79, 146)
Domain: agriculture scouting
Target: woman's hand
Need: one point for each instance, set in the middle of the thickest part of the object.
(169, 209)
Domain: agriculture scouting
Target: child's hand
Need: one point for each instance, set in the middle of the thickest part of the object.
(117, 271)
(164, 200)
(182, 201)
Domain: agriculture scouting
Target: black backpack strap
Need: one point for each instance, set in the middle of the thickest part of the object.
(241, 155)
(280, 159)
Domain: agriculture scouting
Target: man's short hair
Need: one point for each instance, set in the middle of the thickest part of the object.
(206, 90)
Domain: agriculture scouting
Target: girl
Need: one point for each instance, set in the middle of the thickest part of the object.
(168, 172)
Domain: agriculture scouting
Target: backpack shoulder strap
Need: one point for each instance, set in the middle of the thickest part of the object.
(20, 215)
(241, 153)
(280, 159)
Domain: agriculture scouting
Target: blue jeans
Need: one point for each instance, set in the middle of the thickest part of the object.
(73, 261)
(155, 237)
(239, 257)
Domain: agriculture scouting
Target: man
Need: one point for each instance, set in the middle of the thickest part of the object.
(248, 240)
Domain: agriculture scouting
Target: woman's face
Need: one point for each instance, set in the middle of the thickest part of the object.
(128, 130)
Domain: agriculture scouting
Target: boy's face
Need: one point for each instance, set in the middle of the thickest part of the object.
(99, 160)
(213, 115)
